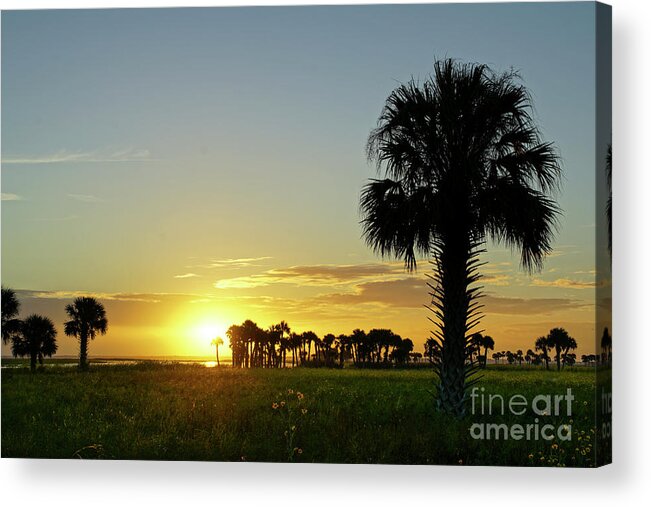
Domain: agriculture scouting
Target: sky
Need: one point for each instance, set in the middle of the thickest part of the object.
(192, 168)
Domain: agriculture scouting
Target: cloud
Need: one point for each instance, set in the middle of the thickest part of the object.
(529, 306)
(564, 283)
(409, 292)
(233, 263)
(107, 296)
(65, 156)
(413, 293)
(315, 275)
(85, 198)
(497, 280)
(11, 197)
(187, 275)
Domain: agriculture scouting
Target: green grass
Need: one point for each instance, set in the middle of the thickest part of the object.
(188, 412)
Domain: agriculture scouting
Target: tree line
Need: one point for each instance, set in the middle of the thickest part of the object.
(35, 336)
(278, 346)
(554, 347)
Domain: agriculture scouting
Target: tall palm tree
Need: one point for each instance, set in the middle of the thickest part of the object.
(37, 339)
(463, 162)
(217, 342)
(87, 319)
(10, 310)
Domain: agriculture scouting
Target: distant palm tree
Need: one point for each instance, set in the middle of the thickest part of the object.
(560, 340)
(542, 344)
(528, 357)
(519, 355)
(463, 162)
(237, 345)
(344, 344)
(10, 310)
(37, 339)
(327, 343)
(488, 343)
(87, 319)
(217, 342)
(283, 328)
(432, 350)
(474, 347)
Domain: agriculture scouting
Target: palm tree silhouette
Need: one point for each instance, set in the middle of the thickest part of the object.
(217, 342)
(463, 161)
(37, 339)
(474, 347)
(488, 343)
(10, 310)
(542, 344)
(87, 318)
(559, 339)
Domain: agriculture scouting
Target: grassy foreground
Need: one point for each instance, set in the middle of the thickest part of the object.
(188, 412)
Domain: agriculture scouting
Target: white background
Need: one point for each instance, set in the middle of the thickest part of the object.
(627, 481)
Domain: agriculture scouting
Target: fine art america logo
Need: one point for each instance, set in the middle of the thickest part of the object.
(542, 405)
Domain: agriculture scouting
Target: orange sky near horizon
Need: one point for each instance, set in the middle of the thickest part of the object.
(325, 299)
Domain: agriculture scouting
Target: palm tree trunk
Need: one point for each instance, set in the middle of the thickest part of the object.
(32, 362)
(217, 353)
(453, 298)
(83, 352)
(558, 359)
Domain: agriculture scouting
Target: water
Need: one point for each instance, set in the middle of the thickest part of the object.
(109, 362)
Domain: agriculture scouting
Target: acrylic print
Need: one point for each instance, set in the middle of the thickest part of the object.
(337, 234)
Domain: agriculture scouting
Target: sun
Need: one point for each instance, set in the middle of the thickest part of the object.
(198, 329)
(208, 331)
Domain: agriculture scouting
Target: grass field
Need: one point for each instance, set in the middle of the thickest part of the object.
(189, 412)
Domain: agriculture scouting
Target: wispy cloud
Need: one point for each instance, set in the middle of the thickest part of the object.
(498, 280)
(187, 275)
(244, 262)
(65, 156)
(529, 306)
(108, 296)
(564, 283)
(85, 198)
(315, 275)
(401, 295)
(11, 197)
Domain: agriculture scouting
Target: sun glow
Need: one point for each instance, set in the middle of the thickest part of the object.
(207, 332)
(200, 333)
